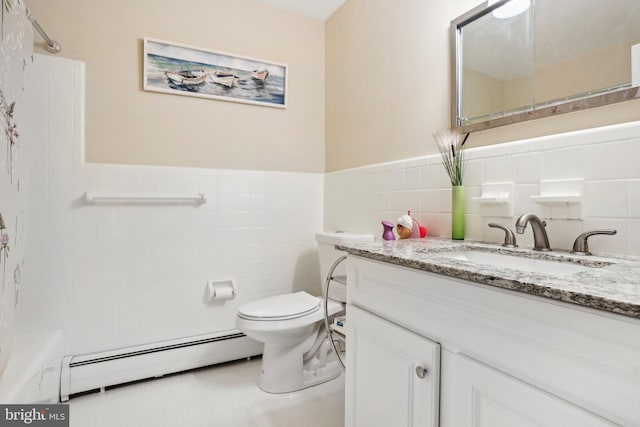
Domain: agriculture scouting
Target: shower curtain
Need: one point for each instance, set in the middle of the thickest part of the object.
(16, 49)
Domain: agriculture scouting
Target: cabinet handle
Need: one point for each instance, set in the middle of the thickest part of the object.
(421, 372)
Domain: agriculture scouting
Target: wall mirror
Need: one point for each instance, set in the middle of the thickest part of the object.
(517, 60)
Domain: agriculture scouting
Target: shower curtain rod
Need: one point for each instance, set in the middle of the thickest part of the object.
(51, 45)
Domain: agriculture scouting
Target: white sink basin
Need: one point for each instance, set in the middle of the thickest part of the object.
(501, 261)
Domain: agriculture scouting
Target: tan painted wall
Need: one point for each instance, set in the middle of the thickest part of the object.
(387, 79)
(386, 72)
(388, 84)
(124, 124)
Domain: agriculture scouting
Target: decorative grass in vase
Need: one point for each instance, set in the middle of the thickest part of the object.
(451, 146)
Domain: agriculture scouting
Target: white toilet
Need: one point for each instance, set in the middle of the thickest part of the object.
(297, 353)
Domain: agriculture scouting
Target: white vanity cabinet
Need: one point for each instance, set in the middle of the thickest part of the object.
(475, 394)
(506, 358)
(395, 373)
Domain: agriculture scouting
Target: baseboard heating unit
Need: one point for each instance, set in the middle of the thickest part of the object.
(99, 370)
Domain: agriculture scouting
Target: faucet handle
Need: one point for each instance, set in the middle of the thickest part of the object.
(509, 237)
(581, 247)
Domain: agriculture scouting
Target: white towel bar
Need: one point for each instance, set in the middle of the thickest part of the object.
(92, 197)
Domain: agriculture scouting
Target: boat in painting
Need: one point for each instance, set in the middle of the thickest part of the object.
(228, 81)
(260, 75)
(186, 79)
(222, 73)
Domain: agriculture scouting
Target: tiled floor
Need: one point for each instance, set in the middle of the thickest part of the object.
(224, 395)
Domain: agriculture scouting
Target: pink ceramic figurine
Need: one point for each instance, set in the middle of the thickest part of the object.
(409, 228)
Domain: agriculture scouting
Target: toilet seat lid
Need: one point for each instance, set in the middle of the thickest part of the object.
(280, 307)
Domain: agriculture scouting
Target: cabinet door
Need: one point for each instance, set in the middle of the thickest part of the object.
(392, 374)
(474, 394)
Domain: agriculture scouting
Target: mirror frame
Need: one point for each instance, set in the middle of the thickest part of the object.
(605, 97)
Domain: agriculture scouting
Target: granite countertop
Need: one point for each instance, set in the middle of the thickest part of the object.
(610, 283)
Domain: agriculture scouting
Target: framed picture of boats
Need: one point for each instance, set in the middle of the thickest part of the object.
(178, 69)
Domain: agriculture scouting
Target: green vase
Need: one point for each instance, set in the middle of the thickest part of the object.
(457, 212)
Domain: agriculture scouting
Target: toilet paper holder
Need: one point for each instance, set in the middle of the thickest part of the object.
(221, 290)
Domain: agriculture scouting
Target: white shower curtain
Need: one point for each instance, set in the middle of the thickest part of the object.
(16, 47)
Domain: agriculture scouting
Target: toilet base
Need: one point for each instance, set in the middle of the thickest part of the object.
(283, 370)
(322, 375)
(309, 379)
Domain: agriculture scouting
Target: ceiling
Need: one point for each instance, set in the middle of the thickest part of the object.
(318, 9)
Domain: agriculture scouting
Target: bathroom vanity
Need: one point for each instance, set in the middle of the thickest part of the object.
(461, 334)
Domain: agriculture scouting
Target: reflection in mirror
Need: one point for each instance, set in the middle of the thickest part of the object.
(545, 57)
(494, 82)
(576, 57)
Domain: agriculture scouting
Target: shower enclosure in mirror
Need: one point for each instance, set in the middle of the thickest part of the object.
(517, 60)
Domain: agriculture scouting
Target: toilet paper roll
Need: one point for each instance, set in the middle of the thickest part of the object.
(222, 293)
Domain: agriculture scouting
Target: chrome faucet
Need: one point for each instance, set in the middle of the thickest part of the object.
(509, 237)
(540, 239)
(580, 246)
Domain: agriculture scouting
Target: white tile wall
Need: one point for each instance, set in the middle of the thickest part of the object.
(606, 158)
(112, 275)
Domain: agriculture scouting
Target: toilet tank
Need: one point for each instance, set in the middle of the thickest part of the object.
(328, 255)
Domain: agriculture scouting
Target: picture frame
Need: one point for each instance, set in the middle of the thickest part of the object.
(179, 69)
